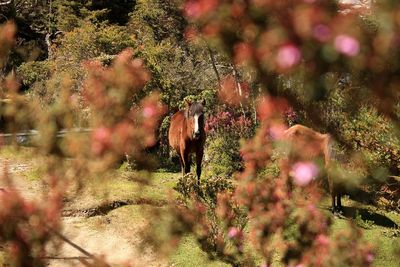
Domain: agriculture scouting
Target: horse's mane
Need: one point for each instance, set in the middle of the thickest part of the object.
(195, 108)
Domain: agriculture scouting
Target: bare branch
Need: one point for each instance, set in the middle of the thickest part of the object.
(5, 3)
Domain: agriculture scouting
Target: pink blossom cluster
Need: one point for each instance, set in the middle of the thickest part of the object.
(226, 121)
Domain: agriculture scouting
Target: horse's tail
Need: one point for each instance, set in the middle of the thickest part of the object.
(330, 151)
(330, 158)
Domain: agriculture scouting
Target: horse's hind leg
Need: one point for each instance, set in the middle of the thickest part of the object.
(339, 203)
(182, 165)
(199, 158)
(186, 162)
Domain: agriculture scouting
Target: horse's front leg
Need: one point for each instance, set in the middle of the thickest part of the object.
(333, 202)
(339, 203)
(182, 165)
(186, 163)
(199, 159)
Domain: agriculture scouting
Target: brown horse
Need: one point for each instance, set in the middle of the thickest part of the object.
(307, 144)
(186, 135)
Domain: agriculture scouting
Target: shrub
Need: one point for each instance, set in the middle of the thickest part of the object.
(34, 71)
(224, 131)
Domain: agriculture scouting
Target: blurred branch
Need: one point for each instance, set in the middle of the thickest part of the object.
(212, 57)
(80, 249)
(23, 138)
(5, 3)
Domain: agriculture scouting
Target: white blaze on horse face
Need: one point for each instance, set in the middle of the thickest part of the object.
(196, 123)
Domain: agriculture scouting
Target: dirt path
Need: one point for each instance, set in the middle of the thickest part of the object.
(106, 241)
(113, 236)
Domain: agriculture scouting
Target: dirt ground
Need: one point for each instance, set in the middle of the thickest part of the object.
(107, 236)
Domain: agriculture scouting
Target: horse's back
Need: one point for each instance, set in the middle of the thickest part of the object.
(175, 129)
(306, 141)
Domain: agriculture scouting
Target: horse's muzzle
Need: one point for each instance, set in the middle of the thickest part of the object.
(196, 135)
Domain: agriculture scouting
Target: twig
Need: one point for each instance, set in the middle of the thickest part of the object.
(80, 249)
(5, 3)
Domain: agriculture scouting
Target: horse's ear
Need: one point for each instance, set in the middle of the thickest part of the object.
(188, 103)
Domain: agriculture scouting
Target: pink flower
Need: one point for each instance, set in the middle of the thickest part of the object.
(149, 111)
(303, 172)
(101, 139)
(322, 32)
(193, 9)
(277, 131)
(312, 208)
(102, 134)
(347, 45)
(370, 257)
(243, 52)
(322, 240)
(288, 56)
(264, 264)
(233, 232)
(198, 8)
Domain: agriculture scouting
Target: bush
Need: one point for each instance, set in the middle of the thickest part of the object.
(219, 235)
(225, 130)
(34, 71)
(222, 156)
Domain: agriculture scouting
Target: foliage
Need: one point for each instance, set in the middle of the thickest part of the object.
(359, 221)
(368, 132)
(85, 43)
(225, 131)
(288, 54)
(180, 67)
(118, 127)
(71, 14)
(26, 226)
(271, 49)
(220, 236)
(34, 71)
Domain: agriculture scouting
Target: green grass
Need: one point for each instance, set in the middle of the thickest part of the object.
(24, 156)
(2, 258)
(381, 230)
(157, 187)
(17, 153)
(384, 246)
(189, 253)
(35, 174)
(378, 226)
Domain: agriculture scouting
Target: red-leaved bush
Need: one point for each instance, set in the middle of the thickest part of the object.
(119, 123)
(227, 122)
(275, 38)
(27, 226)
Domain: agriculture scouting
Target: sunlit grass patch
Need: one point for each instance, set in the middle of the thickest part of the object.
(156, 186)
(2, 258)
(131, 186)
(35, 174)
(188, 253)
(17, 152)
(382, 229)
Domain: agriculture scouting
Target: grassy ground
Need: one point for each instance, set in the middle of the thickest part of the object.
(379, 227)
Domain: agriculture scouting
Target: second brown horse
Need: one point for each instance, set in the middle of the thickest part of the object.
(187, 135)
(307, 144)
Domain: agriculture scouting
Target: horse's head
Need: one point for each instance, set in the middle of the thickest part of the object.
(195, 118)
